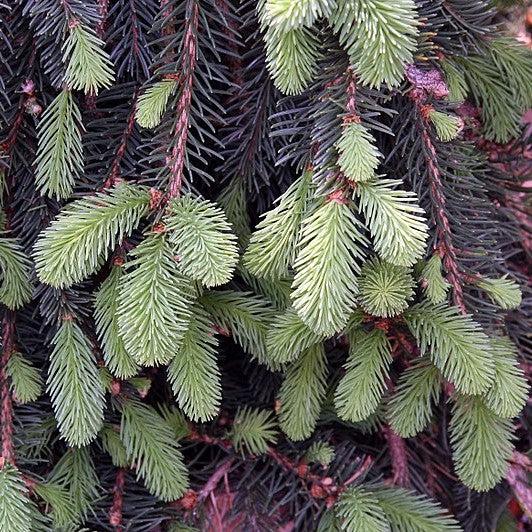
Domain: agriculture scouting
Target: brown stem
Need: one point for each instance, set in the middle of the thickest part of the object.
(443, 231)
(176, 161)
(6, 413)
(399, 458)
(115, 514)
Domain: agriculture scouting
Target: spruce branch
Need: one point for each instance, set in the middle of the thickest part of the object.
(154, 303)
(15, 287)
(302, 393)
(106, 307)
(286, 15)
(151, 446)
(434, 285)
(455, 343)
(395, 220)
(509, 392)
(273, 245)
(59, 160)
(385, 289)
(503, 291)
(360, 390)
(193, 372)
(202, 240)
(26, 381)
(379, 37)
(79, 240)
(89, 67)
(75, 386)
(329, 252)
(15, 513)
(153, 101)
(253, 430)
(481, 443)
(410, 407)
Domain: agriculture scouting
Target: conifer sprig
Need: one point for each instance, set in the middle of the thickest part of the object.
(154, 303)
(26, 381)
(410, 408)
(15, 286)
(395, 220)
(193, 372)
(272, 248)
(79, 240)
(435, 287)
(117, 359)
(150, 445)
(302, 393)
(202, 240)
(89, 67)
(360, 390)
(15, 514)
(330, 250)
(380, 37)
(152, 103)
(253, 430)
(75, 386)
(59, 159)
(481, 443)
(456, 344)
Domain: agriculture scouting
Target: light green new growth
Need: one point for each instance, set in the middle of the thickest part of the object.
(447, 126)
(202, 239)
(253, 431)
(503, 292)
(153, 101)
(456, 82)
(435, 287)
(395, 220)
(302, 394)
(113, 446)
(193, 372)
(58, 504)
(481, 443)
(379, 36)
(455, 343)
(320, 453)
(358, 157)
(408, 511)
(272, 247)
(360, 390)
(15, 513)
(79, 240)
(15, 286)
(243, 316)
(89, 67)
(292, 58)
(26, 381)
(358, 510)
(288, 337)
(287, 14)
(76, 474)
(509, 393)
(410, 408)
(59, 160)
(385, 289)
(117, 360)
(75, 386)
(153, 303)
(329, 254)
(151, 446)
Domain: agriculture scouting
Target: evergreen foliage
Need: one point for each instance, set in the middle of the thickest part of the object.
(15, 287)
(153, 303)
(59, 159)
(327, 262)
(271, 258)
(151, 447)
(75, 386)
(302, 393)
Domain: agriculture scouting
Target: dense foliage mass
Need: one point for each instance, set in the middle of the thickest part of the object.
(262, 266)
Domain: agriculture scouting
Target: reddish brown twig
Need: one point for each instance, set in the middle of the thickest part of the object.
(115, 513)
(6, 413)
(398, 456)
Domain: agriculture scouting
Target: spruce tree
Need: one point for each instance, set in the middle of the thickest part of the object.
(263, 266)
